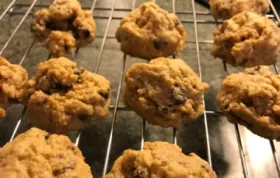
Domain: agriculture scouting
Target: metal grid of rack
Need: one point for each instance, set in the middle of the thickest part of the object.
(115, 107)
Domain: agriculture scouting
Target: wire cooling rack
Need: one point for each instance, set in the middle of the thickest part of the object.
(11, 10)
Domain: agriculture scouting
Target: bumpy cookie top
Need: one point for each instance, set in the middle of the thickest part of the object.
(67, 93)
(36, 153)
(63, 26)
(247, 39)
(12, 79)
(166, 88)
(161, 32)
(160, 159)
(252, 98)
(227, 8)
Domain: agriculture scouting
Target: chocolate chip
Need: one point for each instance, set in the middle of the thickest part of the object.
(52, 26)
(105, 95)
(56, 172)
(248, 102)
(84, 33)
(157, 44)
(47, 136)
(178, 95)
(66, 48)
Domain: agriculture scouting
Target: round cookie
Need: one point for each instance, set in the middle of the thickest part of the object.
(63, 27)
(165, 92)
(252, 98)
(149, 32)
(12, 81)
(225, 9)
(62, 97)
(247, 39)
(36, 153)
(158, 160)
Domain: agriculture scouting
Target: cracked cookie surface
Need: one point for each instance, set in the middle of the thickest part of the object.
(62, 97)
(225, 9)
(149, 32)
(12, 81)
(165, 92)
(38, 154)
(247, 39)
(63, 27)
(252, 98)
(158, 160)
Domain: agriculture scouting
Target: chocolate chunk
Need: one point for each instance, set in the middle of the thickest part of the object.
(66, 48)
(105, 95)
(47, 136)
(84, 33)
(157, 43)
(56, 172)
(248, 102)
(52, 26)
(178, 95)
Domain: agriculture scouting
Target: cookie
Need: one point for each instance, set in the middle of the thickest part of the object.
(252, 98)
(165, 92)
(225, 9)
(63, 27)
(12, 81)
(39, 154)
(247, 39)
(158, 160)
(149, 32)
(62, 97)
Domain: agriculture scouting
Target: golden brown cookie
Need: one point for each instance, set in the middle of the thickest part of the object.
(252, 98)
(165, 92)
(63, 27)
(12, 81)
(149, 32)
(158, 160)
(225, 9)
(38, 154)
(247, 39)
(62, 97)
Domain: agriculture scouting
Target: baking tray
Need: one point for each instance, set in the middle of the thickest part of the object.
(232, 150)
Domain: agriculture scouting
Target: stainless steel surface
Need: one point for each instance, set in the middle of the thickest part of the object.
(233, 150)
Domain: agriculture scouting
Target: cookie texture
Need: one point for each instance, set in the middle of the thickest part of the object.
(62, 97)
(38, 154)
(225, 9)
(252, 98)
(247, 40)
(165, 92)
(12, 81)
(63, 27)
(149, 32)
(158, 160)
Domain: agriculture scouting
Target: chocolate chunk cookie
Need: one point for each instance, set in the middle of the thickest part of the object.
(247, 39)
(12, 81)
(38, 154)
(165, 92)
(225, 9)
(252, 98)
(158, 160)
(63, 27)
(62, 97)
(149, 32)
